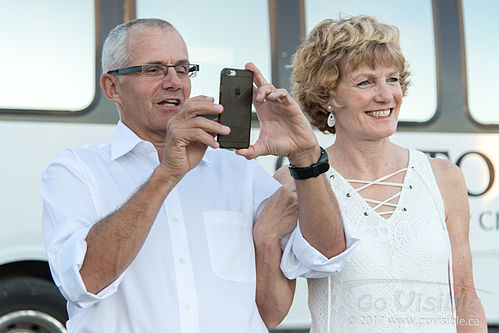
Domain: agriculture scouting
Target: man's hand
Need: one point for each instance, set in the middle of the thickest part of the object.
(188, 136)
(284, 129)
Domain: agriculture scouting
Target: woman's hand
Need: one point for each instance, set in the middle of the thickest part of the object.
(284, 129)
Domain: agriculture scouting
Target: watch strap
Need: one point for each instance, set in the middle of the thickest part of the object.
(321, 166)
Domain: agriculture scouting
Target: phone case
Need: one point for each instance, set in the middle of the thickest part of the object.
(236, 94)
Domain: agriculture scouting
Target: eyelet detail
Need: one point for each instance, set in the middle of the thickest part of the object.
(332, 176)
(365, 214)
(348, 195)
(410, 187)
(404, 209)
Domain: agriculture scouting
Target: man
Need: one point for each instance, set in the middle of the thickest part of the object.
(152, 231)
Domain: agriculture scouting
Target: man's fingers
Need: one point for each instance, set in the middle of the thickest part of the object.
(189, 135)
(197, 129)
(209, 126)
(198, 105)
(201, 108)
(202, 98)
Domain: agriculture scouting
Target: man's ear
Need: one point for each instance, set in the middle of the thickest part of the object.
(109, 84)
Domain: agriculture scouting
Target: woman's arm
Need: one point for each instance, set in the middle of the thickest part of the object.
(274, 292)
(453, 189)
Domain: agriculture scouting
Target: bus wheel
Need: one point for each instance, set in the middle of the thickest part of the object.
(31, 305)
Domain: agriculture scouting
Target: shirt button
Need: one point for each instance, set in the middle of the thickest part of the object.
(175, 219)
(187, 307)
(182, 261)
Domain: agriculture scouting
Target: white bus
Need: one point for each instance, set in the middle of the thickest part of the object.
(50, 99)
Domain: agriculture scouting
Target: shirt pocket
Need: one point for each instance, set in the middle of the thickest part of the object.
(230, 244)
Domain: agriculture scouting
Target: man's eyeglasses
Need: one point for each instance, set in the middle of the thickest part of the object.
(159, 70)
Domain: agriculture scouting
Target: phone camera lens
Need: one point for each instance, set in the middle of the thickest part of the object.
(231, 72)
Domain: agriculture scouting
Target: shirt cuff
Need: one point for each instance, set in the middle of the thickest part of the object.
(69, 259)
(300, 259)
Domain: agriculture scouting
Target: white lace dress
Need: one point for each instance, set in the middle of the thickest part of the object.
(398, 278)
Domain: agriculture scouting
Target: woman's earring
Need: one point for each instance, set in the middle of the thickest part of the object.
(330, 119)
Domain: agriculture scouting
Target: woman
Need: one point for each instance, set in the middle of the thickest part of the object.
(412, 270)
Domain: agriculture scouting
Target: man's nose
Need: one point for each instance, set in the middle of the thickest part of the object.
(171, 80)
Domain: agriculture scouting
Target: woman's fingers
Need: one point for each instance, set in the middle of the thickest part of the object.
(258, 77)
(251, 152)
(265, 90)
(280, 95)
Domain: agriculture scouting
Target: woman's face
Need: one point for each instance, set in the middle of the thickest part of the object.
(367, 102)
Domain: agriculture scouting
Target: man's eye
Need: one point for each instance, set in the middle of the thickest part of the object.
(153, 70)
(182, 70)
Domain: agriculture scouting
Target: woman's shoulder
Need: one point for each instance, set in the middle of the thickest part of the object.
(450, 181)
(446, 172)
(443, 170)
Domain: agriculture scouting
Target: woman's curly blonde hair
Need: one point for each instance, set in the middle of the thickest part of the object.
(335, 47)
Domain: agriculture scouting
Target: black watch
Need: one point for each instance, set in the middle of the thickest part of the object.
(321, 166)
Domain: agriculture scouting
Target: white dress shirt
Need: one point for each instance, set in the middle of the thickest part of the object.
(196, 270)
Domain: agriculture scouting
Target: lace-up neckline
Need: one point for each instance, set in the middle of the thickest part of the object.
(381, 181)
(366, 201)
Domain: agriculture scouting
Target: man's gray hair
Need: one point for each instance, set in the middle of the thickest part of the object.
(114, 51)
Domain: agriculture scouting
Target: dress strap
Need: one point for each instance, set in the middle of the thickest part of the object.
(329, 304)
(432, 188)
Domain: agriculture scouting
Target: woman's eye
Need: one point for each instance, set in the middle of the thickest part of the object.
(394, 79)
(364, 83)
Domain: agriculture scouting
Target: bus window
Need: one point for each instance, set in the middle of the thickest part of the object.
(48, 55)
(229, 34)
(482, 52)
(415, 22)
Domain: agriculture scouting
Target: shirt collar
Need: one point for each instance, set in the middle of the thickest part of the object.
(124, 140)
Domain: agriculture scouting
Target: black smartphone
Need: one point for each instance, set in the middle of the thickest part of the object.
(236, 94)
